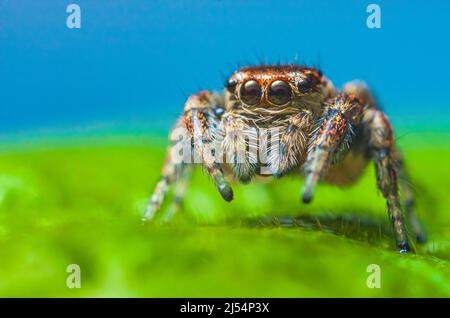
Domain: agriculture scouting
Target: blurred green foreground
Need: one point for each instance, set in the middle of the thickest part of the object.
(80, 202)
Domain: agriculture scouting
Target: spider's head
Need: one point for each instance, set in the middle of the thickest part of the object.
(273, 86)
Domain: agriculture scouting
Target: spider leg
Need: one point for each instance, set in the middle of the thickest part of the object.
(170, 172)
(203, 141)
(194, 128)
(197, 131)
(330, 140)
(382, 151)
(202, 126)
(179, 192)
(409, 202)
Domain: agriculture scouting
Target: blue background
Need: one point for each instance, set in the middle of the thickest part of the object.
(133, 62)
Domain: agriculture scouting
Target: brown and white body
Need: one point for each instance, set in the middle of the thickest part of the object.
(275, 120)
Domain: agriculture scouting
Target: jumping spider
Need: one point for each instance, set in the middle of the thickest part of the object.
(328, 134)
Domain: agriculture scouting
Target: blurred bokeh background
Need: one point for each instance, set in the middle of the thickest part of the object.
(83, 119)
(134, 61)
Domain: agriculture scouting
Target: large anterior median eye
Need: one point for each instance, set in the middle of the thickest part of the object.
(279, 92)
(250, 92)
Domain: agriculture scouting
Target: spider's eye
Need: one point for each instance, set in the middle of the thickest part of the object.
(279, 92)
(250, 92)
(306, 84)
(219, 111)
(231, 86)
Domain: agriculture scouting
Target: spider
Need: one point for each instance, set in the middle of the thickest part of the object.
(327, 134)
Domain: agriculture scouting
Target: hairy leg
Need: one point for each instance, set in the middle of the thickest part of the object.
(170, 173)
(382, 151)
(195, 128)
(330, 140)
(409, 202)
(202, 123)
(335, 132)
(360, 90)
(180, 187)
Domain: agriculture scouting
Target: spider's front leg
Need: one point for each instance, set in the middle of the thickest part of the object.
(342, 114)
(330, 139)
(195, 132)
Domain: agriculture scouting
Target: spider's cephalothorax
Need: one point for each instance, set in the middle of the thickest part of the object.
(274, 120)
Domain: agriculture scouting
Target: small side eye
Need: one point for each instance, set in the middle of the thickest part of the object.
(218, 111)
(231, 86)
(250, 92)
(279, 92)
(306, 84)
